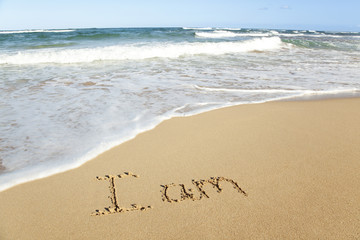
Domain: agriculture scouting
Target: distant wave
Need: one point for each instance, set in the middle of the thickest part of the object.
(124, 52)
(36, 31)
(228, 34)
(210, 28)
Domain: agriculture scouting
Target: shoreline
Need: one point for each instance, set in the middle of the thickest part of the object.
(53, 170)
(316, 97)
(50, 170)
(296, 162)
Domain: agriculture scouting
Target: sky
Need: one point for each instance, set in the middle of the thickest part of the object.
(332, 15)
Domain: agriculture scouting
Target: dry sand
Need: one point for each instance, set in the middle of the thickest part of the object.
(279, 170)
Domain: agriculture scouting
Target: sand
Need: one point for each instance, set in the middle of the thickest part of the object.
(278, 170)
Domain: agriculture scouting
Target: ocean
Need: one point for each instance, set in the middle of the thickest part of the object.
(69, 95)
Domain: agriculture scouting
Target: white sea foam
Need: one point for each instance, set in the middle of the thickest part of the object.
(216, 34)
(321, 35)
(291, 34)
(135, 52)
(229, 34)
(37, 31)
(38, 171)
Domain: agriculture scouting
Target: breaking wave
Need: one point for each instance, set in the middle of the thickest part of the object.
(138, 52)
(228, 34)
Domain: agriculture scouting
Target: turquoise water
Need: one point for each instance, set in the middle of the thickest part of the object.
(68, 95)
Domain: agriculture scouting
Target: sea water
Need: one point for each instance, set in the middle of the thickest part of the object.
(69, 95)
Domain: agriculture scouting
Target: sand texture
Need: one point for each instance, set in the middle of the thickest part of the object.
(278, 170)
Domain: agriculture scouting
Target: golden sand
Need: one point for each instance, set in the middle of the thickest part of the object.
(278, 170)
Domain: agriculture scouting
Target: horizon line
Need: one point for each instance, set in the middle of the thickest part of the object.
(183, 27)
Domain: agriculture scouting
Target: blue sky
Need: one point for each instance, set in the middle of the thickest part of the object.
(286, 14)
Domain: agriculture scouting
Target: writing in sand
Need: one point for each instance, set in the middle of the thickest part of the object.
(185, 193)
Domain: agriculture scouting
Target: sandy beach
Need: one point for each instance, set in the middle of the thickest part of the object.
(277, 170)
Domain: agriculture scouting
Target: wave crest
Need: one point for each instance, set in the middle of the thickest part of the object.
(229, 34)
(136, 52)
